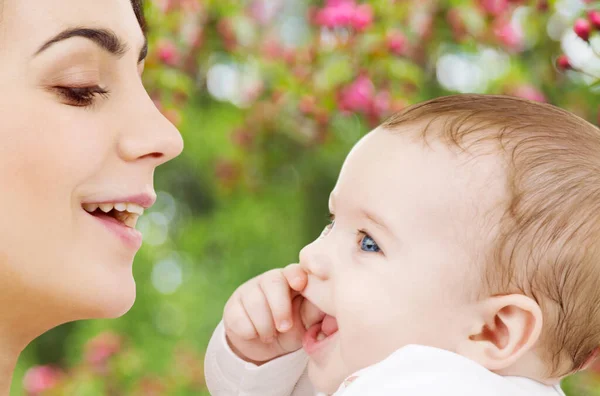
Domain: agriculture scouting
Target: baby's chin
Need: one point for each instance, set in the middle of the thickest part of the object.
(329, 378)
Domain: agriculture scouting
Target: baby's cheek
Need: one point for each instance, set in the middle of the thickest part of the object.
(355, 344)
(365, 344)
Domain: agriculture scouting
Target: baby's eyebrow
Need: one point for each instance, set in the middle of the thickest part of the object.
(377, 220)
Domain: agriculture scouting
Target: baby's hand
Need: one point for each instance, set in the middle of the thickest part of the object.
(262, 317)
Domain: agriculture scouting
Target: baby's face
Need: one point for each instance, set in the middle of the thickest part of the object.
(396, 266)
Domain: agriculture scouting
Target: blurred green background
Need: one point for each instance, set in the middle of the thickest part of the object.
(269, 96)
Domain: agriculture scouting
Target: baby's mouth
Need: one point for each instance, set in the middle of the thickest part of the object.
(319, 333)
(328, 327)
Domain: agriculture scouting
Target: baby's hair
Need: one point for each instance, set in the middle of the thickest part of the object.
(549, 242)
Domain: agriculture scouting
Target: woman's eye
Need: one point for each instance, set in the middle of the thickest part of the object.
(81, 96)
(368, 244)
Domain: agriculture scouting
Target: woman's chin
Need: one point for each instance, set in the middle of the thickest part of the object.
(108, 303)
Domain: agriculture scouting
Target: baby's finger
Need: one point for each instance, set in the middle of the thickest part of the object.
(296, 277)
(310, 314)
(277, 292)
(237, 321)
(256, 306)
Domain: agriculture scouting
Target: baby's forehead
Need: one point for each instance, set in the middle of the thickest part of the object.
(433, 185)
(406, 161)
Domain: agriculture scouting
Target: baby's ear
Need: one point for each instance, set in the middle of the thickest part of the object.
(504, 329)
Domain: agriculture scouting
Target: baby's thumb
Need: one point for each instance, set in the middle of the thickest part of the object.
(296, 277)
(291, 340)
(296, 313)
(296, 332)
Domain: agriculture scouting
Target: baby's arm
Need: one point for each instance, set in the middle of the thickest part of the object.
(227, 375)
(257, 349)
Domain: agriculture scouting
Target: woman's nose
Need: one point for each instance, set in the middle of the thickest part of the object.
(149, 134)
(315, 261)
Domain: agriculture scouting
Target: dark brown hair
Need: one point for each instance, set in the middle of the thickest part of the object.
(549, 242)
(138, 8)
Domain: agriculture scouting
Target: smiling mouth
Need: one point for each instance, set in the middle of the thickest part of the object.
(124, 214)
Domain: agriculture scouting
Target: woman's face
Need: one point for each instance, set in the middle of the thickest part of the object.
(76, 128)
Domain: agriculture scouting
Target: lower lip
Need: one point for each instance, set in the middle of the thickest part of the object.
(131, 237)
(311, 345)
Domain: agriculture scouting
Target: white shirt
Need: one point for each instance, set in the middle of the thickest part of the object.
(413, 370)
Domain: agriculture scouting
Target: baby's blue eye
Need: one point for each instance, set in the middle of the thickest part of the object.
(369, 245)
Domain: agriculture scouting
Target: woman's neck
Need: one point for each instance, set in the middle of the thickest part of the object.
(8, 362)
(17, 330)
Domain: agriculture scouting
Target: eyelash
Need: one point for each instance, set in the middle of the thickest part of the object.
(82, 96)
(329, 226)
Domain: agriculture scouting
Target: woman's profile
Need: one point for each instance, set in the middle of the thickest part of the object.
(81, 139)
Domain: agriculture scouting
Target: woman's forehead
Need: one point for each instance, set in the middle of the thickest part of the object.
(25, 24)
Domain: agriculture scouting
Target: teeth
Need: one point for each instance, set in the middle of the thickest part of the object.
(90, 207)
(106, 207)
(129, 219)
(134, 208)
(321, 336)
(126, 212)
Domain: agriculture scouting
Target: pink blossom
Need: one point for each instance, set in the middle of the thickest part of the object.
(381, 103)
(358, 96)
(226, 30)
(583, 28)
(457, 22)
(529, 92)
(271, 48)
(102, 347)
(345, 13)
(335, 3)
(423, 24)
(363, 17)
(396, 42)
(168, 52)
(563, 62)
(510, 35)
(41, 378)
(494, 7)
(594, 17)
(252, 91)
(339, 15)
(263, 11)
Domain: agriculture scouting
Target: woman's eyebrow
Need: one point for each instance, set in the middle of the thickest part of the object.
(104, 38)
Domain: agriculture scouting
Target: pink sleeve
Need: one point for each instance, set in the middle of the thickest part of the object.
(228, 375)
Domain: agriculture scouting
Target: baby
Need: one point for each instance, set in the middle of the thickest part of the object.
(462, 258)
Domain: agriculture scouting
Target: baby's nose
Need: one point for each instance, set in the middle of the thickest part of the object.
(314, 261)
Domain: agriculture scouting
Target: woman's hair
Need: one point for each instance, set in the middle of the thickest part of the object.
(138, 8)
